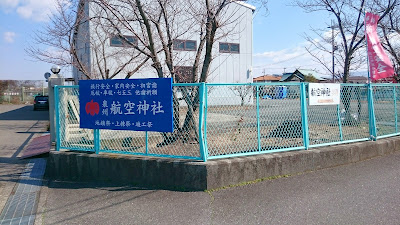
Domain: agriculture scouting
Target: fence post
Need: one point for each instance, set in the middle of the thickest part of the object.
(304, 117)
(57, 111)
(53, 81)
(205, 103)
(203, 147)
(371, 114)
(96, 137)
(258, 118)
(339, 122)
(395, 108)
(147, 143)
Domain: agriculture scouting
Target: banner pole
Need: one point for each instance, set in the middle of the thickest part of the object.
(366, 47)
(371, 111)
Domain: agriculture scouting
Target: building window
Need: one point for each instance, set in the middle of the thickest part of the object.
(127, 41)
(183, 74)
(229, 48)
(185, 45)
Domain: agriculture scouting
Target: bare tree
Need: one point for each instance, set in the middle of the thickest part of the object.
(9, 86)
(65, 41)
(3, 88)
(349, 31)
(391, 44)
(156, 25)
(243, 92)
(349, 20)
(390, 31)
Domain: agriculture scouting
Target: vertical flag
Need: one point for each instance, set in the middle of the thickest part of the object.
(379, 63)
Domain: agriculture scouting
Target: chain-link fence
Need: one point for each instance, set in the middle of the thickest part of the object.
(225, 120)
(386, 99)
(347, 121)
(182, 143)
(249, 119)
(21, 91)
(70, 135)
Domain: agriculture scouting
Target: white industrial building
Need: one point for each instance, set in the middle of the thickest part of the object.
(232, 53)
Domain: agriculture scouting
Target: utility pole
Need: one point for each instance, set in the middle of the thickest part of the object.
(22, 94)
(333, 54)
(9, 93)
(334, 48)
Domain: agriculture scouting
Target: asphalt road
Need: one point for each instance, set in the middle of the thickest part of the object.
(362, 193)
(19, 124)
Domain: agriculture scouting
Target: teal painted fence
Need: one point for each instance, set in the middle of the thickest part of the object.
(226, 120)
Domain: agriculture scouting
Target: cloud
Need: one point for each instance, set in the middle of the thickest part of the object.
(276, 61)
(282, 55)
(9, 37)
(285, 60)
(37, 10)
(8, 3)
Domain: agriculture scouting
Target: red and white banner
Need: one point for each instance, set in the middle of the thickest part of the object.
(379, 63)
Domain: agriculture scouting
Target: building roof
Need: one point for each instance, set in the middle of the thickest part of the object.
(267, 78)
(313, 73)
(300, 73)
(285, 76)
(289, 76)
(246, 5)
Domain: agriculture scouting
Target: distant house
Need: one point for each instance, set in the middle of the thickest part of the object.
(299, 76)
(292, 77)
(267, 78)
(357, 79)
(387, 80)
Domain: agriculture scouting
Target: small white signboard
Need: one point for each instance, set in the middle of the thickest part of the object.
(324, 94)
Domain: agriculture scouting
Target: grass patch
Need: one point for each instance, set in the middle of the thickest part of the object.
(210, 191)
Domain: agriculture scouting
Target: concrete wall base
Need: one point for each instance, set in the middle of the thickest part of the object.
(187, 175)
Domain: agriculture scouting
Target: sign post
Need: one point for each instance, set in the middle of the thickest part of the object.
(129, 104)
(324, 94)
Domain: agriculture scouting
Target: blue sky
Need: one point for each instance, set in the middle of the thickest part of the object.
(278, 42)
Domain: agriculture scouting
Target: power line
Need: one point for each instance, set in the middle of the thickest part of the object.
(285, 60)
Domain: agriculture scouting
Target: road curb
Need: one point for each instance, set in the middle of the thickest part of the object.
(187, 175)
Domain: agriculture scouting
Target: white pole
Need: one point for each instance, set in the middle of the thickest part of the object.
(366, 41)
(333, 53)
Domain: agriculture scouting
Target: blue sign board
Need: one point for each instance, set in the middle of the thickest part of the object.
(129, 104)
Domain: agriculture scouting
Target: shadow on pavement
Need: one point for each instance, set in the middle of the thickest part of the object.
(24, 113)
(104, 198)
(92, 185)
(16, 136)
